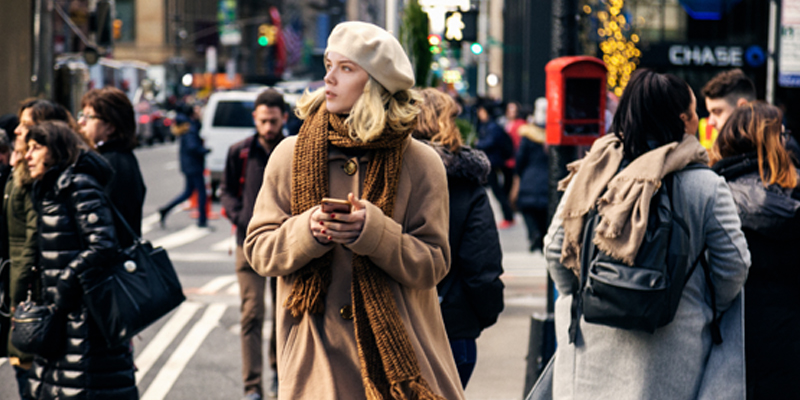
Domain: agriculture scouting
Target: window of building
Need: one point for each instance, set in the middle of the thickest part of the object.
(126, 13)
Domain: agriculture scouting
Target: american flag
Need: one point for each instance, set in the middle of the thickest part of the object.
(293, 40)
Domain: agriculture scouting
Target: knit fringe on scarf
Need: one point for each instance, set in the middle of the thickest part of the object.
(389, 367)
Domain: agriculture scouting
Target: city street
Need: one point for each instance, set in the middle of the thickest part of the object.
(193, 353)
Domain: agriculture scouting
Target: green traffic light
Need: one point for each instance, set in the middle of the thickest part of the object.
(263, 41)
(476, 48)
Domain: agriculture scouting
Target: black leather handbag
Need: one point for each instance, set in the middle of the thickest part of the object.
(38, 329)
(136, 291)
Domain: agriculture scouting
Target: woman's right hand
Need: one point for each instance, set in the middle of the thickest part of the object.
(316, 223)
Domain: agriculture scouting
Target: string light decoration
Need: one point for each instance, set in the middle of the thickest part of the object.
(617, 42)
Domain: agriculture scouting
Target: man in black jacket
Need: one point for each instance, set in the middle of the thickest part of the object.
(244, 172)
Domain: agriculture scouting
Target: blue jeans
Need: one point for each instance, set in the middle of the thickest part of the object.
(465, 354)
(194, 182)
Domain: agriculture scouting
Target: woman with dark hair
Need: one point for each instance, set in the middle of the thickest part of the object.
(20, 218)
(107, 120)
(76, 235)
(654, 129)
(471, 295)
(750, 154)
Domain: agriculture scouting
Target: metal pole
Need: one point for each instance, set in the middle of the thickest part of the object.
(391, 17)
(542, 335)
(483, 35)
(771, 50)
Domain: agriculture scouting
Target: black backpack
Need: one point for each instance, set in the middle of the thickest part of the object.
(644, 296)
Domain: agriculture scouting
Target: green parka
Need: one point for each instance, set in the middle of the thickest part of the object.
(22, 245)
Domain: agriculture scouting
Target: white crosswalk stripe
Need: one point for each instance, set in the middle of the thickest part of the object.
(182, 237)
(170, 372)
(164, 338)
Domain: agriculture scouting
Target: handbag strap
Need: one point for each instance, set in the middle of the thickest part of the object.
(118, 215)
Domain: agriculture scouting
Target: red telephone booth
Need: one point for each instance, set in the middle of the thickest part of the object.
(576, 100)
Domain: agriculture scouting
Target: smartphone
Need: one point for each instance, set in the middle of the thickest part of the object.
(335, 206)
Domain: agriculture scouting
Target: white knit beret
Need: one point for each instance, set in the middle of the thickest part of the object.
(375, 50)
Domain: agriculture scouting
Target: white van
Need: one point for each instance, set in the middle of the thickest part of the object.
(227, 119)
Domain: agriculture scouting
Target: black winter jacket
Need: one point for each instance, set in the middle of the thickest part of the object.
(771, 223)
(533, 171)
(471, 294)
(126, 188)
(237, 198)
(77, 234)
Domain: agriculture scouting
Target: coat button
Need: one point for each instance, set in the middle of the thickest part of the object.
(350, 167)
(346, 312)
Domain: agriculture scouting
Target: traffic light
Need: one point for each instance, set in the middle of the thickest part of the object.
(476, 48)
(435, 42)
(117, 29)
(266, 35)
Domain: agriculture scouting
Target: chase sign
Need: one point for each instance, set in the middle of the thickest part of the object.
(718, 56)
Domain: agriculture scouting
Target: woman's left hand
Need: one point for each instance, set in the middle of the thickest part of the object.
(346, 228)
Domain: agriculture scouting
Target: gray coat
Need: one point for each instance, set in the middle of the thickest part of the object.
(679, 360)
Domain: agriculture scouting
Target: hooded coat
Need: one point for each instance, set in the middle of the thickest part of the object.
(317, 354)
(679, 360)
(471, 294)
(771, 223)
(77, 234)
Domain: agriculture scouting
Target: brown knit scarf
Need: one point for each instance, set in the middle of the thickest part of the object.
(389, 368)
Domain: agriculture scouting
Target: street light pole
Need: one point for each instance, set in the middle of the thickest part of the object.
(42, 74)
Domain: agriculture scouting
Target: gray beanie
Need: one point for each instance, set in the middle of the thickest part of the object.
(375, 50)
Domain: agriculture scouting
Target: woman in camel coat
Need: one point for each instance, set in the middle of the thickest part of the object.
(358, 314)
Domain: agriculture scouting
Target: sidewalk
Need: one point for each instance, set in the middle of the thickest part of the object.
(503, 347)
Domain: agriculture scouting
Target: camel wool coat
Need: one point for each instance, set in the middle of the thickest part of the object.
(317, 353)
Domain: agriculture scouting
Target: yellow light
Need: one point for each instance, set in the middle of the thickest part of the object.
(635, 38)
(587, 9)
(618, 91)
(601, 32)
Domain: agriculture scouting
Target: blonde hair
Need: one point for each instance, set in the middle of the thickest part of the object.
(374, 110)
(436, 121)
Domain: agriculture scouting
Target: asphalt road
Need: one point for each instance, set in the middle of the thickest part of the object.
(194, 353)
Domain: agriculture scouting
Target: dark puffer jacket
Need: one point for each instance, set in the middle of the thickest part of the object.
(76, 235)
(471, 294)
(771, 223)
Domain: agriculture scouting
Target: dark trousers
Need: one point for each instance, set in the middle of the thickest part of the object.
(536, 224)
(194, 182)
(251, 293)
(500, 194)
(22, 382)
(465, 353)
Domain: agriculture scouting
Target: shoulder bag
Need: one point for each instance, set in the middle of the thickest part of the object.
(138, 289)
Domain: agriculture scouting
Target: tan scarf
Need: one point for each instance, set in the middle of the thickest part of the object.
(625, 205)
(389, 368)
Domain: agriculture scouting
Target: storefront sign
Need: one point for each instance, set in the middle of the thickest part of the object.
(704, 54)
(789, 60)
(718, 56)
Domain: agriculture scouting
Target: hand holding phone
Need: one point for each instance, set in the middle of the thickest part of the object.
(335, 206)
